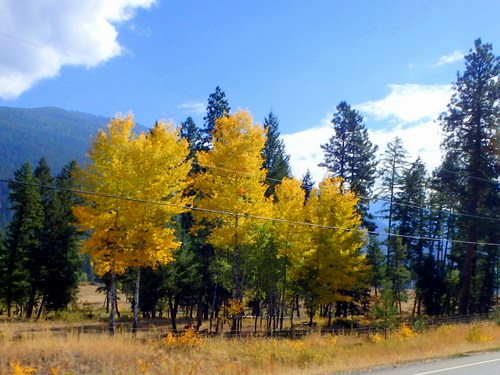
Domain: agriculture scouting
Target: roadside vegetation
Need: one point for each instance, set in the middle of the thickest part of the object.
(47, 351)
(234, 266)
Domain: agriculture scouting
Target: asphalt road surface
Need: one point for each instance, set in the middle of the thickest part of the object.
(477, 364)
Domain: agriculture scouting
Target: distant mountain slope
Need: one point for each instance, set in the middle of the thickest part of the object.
(28, 134)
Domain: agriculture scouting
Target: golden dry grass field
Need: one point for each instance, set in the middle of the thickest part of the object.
(53, 352)
(69, 345)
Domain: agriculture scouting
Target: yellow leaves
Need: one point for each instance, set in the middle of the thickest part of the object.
(292, 240)
(476, 335)
(334, 263)
(189, 338)
(147, 167)
(234, 307)
(237, 145)
(143, 365)
(18, 369)
(405, 332)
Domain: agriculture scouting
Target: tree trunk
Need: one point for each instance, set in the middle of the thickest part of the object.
(236, 292)
(199, 313)
(136, 301)
(40, 308)
(330, 308)
(173, 306)
(31, 303)
(112, 303)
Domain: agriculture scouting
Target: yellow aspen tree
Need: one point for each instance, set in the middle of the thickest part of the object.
(334, 264)
(237, 146)
(291, 240)
(125, 232)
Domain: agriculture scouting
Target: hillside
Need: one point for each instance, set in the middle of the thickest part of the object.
(28, 134)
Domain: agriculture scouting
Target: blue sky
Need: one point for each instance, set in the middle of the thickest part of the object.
(393, 60)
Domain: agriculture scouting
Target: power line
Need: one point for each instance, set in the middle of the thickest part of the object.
(356, 195)
(409, 162)
(235, 214)
(468, 176)
(39, 45)
(277, 180)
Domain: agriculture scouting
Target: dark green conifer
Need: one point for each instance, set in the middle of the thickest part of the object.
(22, 241)
(351, 155)
(471, 170)
(276, 161)
(217, 107)
(307, 184)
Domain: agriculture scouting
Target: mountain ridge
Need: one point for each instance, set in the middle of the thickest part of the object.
(59, 135)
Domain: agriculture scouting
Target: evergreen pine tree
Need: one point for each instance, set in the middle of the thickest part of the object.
(63, 259)
(350, 154)
(276, 161)
(22, 237)
(376, 260)
(307, 184)
(409, 217)
(193, 135)
(197, 242)
(37, 262)
(471, 170)
(217, 107)
(391, 172)
(398, 272)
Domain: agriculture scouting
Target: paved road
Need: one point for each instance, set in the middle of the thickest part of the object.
(477, 364)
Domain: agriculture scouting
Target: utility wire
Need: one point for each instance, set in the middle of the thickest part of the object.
(39, 45)
(249, 174)
(468, 176)
(356, 195)
(235, 214)
(409, 162)
(277, 180)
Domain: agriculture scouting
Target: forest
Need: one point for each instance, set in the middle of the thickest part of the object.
(209, 219)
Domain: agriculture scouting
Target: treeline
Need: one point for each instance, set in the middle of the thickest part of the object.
(210, 219)
(39, 257)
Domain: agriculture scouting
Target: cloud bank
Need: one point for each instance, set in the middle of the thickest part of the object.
(455, 56)
(198, 108)
(408, 103)
(409, 112)
(38, 37)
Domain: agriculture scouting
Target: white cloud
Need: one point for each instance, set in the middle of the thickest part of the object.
(422, 139)
(196, 108)
(415, 124)
(38, 37)
(305, 150)
(455, 56)
(408, 103)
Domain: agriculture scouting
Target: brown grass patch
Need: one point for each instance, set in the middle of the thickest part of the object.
(51, 352)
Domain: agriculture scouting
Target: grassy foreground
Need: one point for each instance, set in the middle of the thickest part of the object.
(46, 352)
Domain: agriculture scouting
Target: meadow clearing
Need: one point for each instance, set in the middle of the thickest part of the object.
(62, 347)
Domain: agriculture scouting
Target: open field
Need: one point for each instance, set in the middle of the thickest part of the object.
(64, 353)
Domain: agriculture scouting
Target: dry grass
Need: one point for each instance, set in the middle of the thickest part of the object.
(52, 353)
(88, 297)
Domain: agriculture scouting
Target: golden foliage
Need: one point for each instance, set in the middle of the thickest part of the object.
(292, 240)
(405, 332)
(237, 145)
(375, 338)
(18, 369)
(145, 167)
(334, 263)
(476, 335)
(189, 338)
(234, 307)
